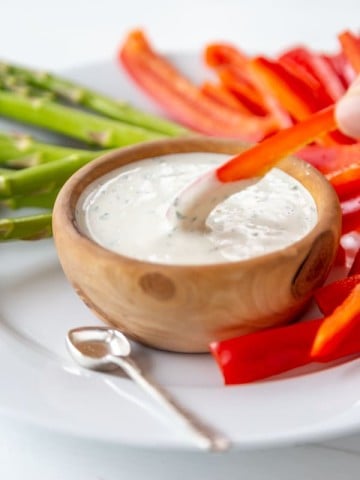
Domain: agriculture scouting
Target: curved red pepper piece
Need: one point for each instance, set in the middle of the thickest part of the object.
(237, 81)
(350, 215)
(331, 158)
(329, 297)
(350, 45)
(261, 157)
(260, 355)
(220, 54)
(338, 326)
(225, 97)
(346, 181)
(317, 66)
(340, 259)
(182, 99)
(342, 67)
(355, 267)
(293, 93)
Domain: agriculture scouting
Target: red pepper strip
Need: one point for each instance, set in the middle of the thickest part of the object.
(320, 69)
(329, 297)
(350, 215)
(219, 54)
(263, 354)
(355, 267)
(237, 82)
(350, 45)
(319, 92)
(337, 138)
(293, 94)
(263, 156)
(302, 73)
(183, 100)
(239, 79)
(342, 67)
(346, 182)
(331, 158)
(338, 326)
(299, 71)
(223, 96)
(340, 259)
(242, 83)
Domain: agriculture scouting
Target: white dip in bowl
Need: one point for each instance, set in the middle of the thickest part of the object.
(125, 211)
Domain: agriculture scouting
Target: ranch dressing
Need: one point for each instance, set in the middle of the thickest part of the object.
(125, 211)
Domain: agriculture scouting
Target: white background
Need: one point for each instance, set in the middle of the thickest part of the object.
(59, 35)
(64, 33)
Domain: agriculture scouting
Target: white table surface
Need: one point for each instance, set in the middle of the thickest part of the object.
(59, 35)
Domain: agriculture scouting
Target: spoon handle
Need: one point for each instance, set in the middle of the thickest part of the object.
(202, 435)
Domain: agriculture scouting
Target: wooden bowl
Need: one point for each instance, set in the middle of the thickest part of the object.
(183, 308)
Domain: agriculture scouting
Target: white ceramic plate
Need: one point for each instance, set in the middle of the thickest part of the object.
(41, 384)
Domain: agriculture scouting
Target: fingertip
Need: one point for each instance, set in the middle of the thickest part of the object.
(347, 111)
(347, 115)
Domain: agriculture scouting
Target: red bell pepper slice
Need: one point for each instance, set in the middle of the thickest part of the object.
(300, 72)
(260, 355)
(350, 45)
(231, 66)
(329, 297)
(340, 259)
(263, 354)
(355, 267)
(239, 84)
(320, 69)
(292, 92)
(350, 215)
(331, 158)
(251, 92)
(220, 54)
(182, 99)
(321, 77)
(338, 326)
(224, 97)
(264, 155)
(342, 67)
(346, 182)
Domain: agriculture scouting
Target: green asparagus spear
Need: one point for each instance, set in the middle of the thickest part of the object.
(41, 178)
(26, 228)
(24, 161)
(19, 151)
(18, 85)
(93, 129)
(38, 200)
(93, 100)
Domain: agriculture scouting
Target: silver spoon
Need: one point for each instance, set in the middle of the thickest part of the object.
(102, 348)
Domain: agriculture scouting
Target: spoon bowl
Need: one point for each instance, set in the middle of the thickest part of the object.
(93, 347)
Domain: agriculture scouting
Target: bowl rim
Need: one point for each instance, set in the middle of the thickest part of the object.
(66, 201)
